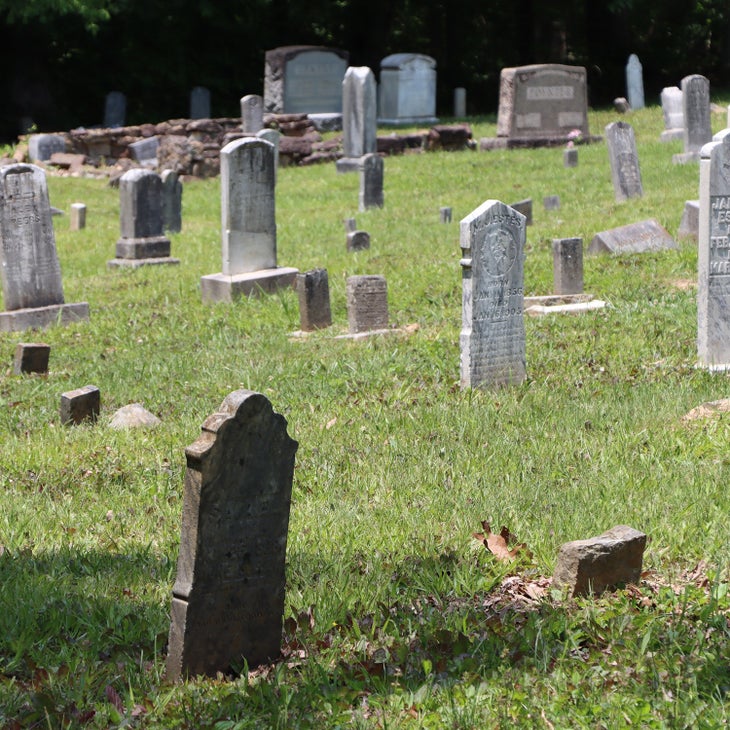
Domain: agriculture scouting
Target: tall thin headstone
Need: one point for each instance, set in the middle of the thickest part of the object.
(697, 123)
(228, 597)
(371, 181)
(77, 219)
(200, 103)
(172, 191)
(252, 113)
(568, 265)
(29, 266)
(635, 82)
(314, 300)
(624, 161)
(274, 137)
(459, 102)
(673, 113)
(359, 117)
(115, 109)
(492, 338)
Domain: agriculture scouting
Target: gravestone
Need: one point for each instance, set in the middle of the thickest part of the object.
(228, 597)
(314, 300)
(172, 191)
(358, 241)
(77, 219)
(115, 109)
(542, 102)
(31, 357)
(304, 79)
(492, 339)
(459, 102)
(635, 82)
(200, 103)
(350, 225)
(134, 415)
(673, 113)
(689, 225)
(524, 207)
(624, 161)
(248, 225)
(570, 157)
(643, 237)
(445, 214)
(144, 150)
(367, 303)
(42, 146)
(359, 112)
(29, 266)
(567, 265)
(273, 137)
(407, 93)
(713, 276)
(82, 404)
(371, 182)
(142, 241)
(551, 202)
(252, 114)
(697, 123)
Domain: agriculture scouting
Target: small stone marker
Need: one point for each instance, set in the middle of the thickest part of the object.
(359, 117)
(200, 103)
(492, 339)
(358, 241)
(570, 157)
(551, 202)
(252, 114)
(592, 566)
(524, 207)
(371, 181)
(568, 265)
(145, 150)
(635, 82)
(115, 109)
(80, 405)
(673, 112)
(31, 357)
(350, 225)
(643, 237)
(228, 597)
(367, 303)
(621, 105)
(459, 102)
(314, 300)
(172, 191)
(42, 146)
(697, 122)
(445, 214)
(689, 226)
(135, 415)
(142, 241)
(29, 266)
(624, 161)
(77, 219)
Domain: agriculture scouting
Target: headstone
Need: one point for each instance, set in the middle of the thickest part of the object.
(371, 181)
(492, 339)
(713, 276)
(525, 208)
(80, 405)
(358, 241)
(314, 300)
(42, 146)
(445, 214)
(145, 150)
(172, 191)
(689, 226)
(624, 161)
(621, 105)
(252, 114)
(697, 123)
(304, 79)
(248, 223)
(570, 157)
(635, 82)
(31, 357)
(643, 237)
(359, 117)
(273, 137)
(142, 241)
(350, 225)
(459, 102)
(200, 103)
(551, 202)
(542, 102)
(589, 567)
(135, 415)
(568, 265)
(77, 219)
(228, 597)
(29, 266)
(115, 109)
(407, 93)
(367, 303)
(673, 113)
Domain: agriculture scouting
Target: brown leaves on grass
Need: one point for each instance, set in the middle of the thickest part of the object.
(498, 545)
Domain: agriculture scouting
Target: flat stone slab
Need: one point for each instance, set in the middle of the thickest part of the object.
(549, 300)
(643, 237)
(222, 288)
(136, 263)
(18, 320)
(538, 310)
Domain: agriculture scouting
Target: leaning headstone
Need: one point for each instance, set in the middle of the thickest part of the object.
(643, 237)
(371, 181)
(673, 113)
(228, 597)
(135, 415)
(29, 266)
(367, 303)
(42, 146)
(31, 357)
(697, 122)
(459, 102)
(635, 82)
(252, 114)
(115, 109)
(713, 276)
(568, 265)
(589, 567)
(551, 202)
(492, 339)
(172, 191)
(314, 300)
(272, 136)
(359, 117)
(82, 404)
(358, 241)
(77, 219)
(200, 103)
(248, 223)
(407, 93)
(524, 207)
(142, 241)
(689, 226)
(445, 214)
(624, 161)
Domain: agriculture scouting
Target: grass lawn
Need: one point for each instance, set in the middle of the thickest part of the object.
(396, 616)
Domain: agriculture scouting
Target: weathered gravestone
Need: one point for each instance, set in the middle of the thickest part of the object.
(314, 300)
(115, 109)
(358, 241)
(624, 161)
(643, 237)
(359, 112)
(42, 146)
(272, 136)
(407, 93)
(551, 202)
(371, 182)
(689, 225)
(635, 82)
(459, 102)
(304, 79)
(492, 338)
(367, 303)
(524, 207)
(570, 157)
(172, 191)
(77, 219)
(200, 103)
(142, 241)
(713, 276)
(145, 150)
(445, 214)
(673, 112)
(567, 265)
(228, 597)
(82, 404)
(29, 266)
(252, 114)
(248, 223)
(31, 357)
(697, 123)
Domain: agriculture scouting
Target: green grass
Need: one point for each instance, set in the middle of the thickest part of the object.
(396, 616)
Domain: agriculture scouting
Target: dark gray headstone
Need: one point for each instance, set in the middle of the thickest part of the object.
(643, 237)
(172, 190)
(367, 303)
(635, 82)
(80, 405)
(570, 157)
(115, 109)
(524, 207)
(200, 103)
(42, 146)
(445, 214)
(568, 265)
(371, 181)
(459, 102)
(228, 597)
(31, 357)
(624, 161)
(551, 202)
(358, 241)
(314, 300)
(145, 150)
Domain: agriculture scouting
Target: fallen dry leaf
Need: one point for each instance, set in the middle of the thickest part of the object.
(331, 423)
(498, 545)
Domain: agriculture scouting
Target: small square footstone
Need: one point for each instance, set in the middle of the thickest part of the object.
(31, 357)
(80, 405)
(643, 237)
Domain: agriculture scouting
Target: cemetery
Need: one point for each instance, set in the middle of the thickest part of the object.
(344, 480)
